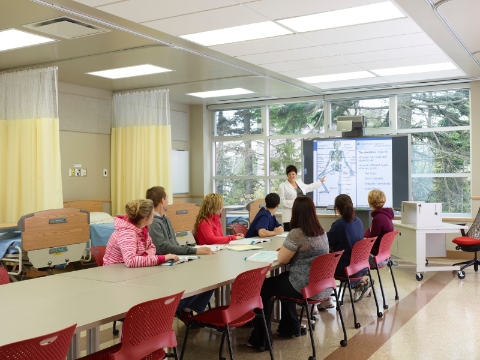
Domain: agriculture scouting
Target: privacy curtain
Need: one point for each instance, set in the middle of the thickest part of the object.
(30, 173)
(141, 146)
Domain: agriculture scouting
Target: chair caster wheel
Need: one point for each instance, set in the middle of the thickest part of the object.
(340, 303)
(303, 331)
(357, 325)
(343, 343)
(397, 298)
(426, 262)
(116, 332)
(313, 327)
(385, 307)
(419, 276)
(312, 358)
(379, 314)
(461, 274)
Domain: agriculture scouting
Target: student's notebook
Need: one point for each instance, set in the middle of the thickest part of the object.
(264, 256)
(214, 248)
(243, 247)
(181, 259)
(249, 241)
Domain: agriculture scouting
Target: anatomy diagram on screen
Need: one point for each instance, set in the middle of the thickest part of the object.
(336, 163)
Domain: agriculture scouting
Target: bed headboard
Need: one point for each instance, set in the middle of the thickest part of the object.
(90, 205)
(183, 216)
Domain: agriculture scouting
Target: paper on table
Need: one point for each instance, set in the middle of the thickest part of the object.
(212, 247)
(283, 234)
(249, 241)
(181, 259)
(264, 256)
(243, 247)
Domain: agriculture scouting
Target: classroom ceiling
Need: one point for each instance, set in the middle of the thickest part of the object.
(148, 32)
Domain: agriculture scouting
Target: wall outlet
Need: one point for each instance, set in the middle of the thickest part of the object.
(105, 172)
(78, 172)
(83, 172)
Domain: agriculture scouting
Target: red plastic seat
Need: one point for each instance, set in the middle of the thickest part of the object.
(245, 297)
(239, 229)
(384, 255)
(52, 346)
(4, 278)
(98, 252)
(358, 261)
(146, 331)
(321, 278)
(469, 242)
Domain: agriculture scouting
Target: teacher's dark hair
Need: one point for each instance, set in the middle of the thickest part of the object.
(344, 205)
(291, 168)
(305, 217)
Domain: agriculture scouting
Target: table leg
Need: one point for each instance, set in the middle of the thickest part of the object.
(74, 349)
(93, 340)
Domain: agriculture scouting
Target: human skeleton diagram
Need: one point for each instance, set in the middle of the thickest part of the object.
(335, 159)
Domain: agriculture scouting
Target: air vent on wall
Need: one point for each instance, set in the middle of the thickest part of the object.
(66, 27)
(246, 99)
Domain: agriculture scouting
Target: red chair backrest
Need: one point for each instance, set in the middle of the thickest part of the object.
(359, 257)
(52, 346)
(322, 273)
(239, 229)
(385, 246)
(148, 327)
(98, 252)
(245, 294)
(4, 278)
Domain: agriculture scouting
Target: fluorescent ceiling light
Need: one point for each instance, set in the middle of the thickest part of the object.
(14, 39)
(238, 33)
(345, 17)
(415, 69)
(337, 77)
(130, 71)
(218, 93)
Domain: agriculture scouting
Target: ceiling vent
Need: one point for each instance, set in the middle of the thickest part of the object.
(66, 28)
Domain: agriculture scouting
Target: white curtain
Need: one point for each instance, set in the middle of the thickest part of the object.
(141, 145)
(30, 173)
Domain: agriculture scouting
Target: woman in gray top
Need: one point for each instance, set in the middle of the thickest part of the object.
(304, 243)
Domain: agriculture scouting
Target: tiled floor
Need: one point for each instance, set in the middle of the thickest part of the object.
(434, 319)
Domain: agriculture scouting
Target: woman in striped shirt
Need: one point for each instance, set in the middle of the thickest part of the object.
(130, 243)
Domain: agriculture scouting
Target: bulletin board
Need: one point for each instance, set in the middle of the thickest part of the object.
(180, 172)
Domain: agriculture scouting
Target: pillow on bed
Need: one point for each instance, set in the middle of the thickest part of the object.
(100, 218)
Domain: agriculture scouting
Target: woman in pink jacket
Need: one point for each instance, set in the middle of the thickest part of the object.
(130, 243)
(208, 229)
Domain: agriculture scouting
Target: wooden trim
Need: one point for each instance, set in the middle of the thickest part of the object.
(475, 197)
(188, 196)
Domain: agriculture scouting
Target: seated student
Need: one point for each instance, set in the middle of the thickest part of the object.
(130, 243)
(207, 228)
(381, 221)
(304, 243)
(265, 224)
(164, 239)
(343, 234)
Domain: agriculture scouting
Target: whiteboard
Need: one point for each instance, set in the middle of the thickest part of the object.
(180, 172)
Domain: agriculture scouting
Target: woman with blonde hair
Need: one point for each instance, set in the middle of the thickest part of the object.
(208, 229)
(130, 243)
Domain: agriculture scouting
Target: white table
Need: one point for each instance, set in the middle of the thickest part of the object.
(415, 244)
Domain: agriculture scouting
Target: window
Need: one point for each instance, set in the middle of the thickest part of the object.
(284, 152)
(235, 191)
(297, 118)
(376, 111)
(238, 122)
(239, 158)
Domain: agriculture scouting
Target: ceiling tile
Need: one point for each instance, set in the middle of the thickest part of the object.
(323, 71)
(281, 9)
(420, 60)
(392, 42)
(286, 55)
(449, 74)
(306, 64)
(351, 83)
(392, 54)
(95, 3)
(261, 46)
(148, 10)
(207, 20)
(363, 32)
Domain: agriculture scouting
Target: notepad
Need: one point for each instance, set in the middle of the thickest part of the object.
(249, 241)
(214, 248)
(181, 259)
(264, 256)
(243, 247)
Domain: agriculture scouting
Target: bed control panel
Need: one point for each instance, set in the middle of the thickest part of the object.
(58, 250)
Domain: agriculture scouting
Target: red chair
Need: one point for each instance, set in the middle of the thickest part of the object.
(98, 252)
(358, 261)
(239, 229)
(52, 346)
(4, 278)
(469, 242)
(245, 297)
(384, 254)
(146, 331)
(321, 278)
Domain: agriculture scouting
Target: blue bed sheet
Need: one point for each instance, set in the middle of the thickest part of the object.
(100, 233)
(11, 238)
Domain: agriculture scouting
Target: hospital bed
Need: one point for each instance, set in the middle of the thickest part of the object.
(45, 239)
(182, 217)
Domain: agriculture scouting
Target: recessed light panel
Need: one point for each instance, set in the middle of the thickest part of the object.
(345, 17)
(238, 33)
(14, 39)
(337, 77)
(218, 93)
(415, 69)
(130, 71)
